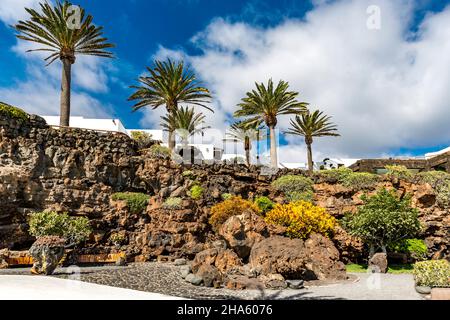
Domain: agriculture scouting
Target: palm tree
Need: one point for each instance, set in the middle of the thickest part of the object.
(185, 122)
(51, 30)
(239, 131)
(265, 104)
(311, 125)
(169, 84)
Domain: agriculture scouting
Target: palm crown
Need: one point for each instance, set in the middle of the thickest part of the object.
(185, 121)
(267, 103)
(168, 85)
(315, 124)
(50, 29)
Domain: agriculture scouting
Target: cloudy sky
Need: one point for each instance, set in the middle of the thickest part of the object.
(380, 68)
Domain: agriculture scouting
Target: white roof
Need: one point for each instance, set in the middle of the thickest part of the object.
(438, 153)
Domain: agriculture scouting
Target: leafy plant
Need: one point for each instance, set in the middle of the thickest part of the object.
(335, 175)
(432, 273)
(226, 196)
(13, 112)
(443, 194)
(197, 192)
(383, 220)
(188, 174)
(136, 202)
(359, 180)
(301, 219)
(295, 187)
(264, 204)
(433, 178)
(234, 206)
(348, 178)
(74, 230)
(143, 139)
(415, 248)
(173, 203)
(398, 172)
(117, 238)
(159, 152)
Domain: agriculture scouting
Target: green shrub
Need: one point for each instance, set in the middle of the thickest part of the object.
(415, 248)
(383, 220)
(264, 204)
(188, 174)
(433, 178)
(226, 196)
(234, 206)
(398, 172)
(13, 112)
(443, 194)
(159, 152)
(348, 178)
(294, 187)
(117, 238)
(432, 273)
(74, 230)
(173, 203)
(307, 196)
(143, 139)
(335, 175)
(197, 192)
(359, 180)
(136, 202)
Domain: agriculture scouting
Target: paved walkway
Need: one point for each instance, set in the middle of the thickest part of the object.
(156, 281)
(48, 288)
(367, 287)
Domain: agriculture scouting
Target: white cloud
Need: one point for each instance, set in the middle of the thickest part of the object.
(383, 90)
(12, 11)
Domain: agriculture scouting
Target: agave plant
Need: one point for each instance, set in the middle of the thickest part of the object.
(185, 122)
(310, 126)
(51, 29)
(169, 85)
(266, 104)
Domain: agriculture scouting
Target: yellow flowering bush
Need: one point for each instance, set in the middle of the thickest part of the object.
(233, 206)
(301, 218)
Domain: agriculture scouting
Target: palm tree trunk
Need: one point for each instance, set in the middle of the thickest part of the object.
(310, 158)
(247, 150)
(273, 148)
(65, 92)
(171, 140)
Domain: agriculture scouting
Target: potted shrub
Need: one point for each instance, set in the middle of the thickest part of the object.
(431, 274)
(54, 232)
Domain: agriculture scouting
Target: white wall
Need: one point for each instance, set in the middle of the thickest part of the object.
(92, 124)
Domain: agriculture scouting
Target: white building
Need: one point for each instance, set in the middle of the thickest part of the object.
(93, 124)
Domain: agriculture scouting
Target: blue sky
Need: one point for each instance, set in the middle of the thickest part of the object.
(231, 44)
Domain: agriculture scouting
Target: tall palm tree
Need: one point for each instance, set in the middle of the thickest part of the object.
(185, 122)
(50, 28)
(245, 133)
(310, 126)
(169, 84)
(266, 104)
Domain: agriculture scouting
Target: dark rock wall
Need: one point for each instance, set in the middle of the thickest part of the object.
(77, 171)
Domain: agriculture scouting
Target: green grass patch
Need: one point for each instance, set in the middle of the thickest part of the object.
(393, 268)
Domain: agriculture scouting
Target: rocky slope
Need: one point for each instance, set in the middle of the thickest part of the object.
(77, 171)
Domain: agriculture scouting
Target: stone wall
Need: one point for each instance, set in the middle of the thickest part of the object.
(77, 171)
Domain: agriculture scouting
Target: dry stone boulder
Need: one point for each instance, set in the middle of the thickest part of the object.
(378, 263)
(295, 259)
(223, 260)
(242, 232)
(47, 252)
(210, 275)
